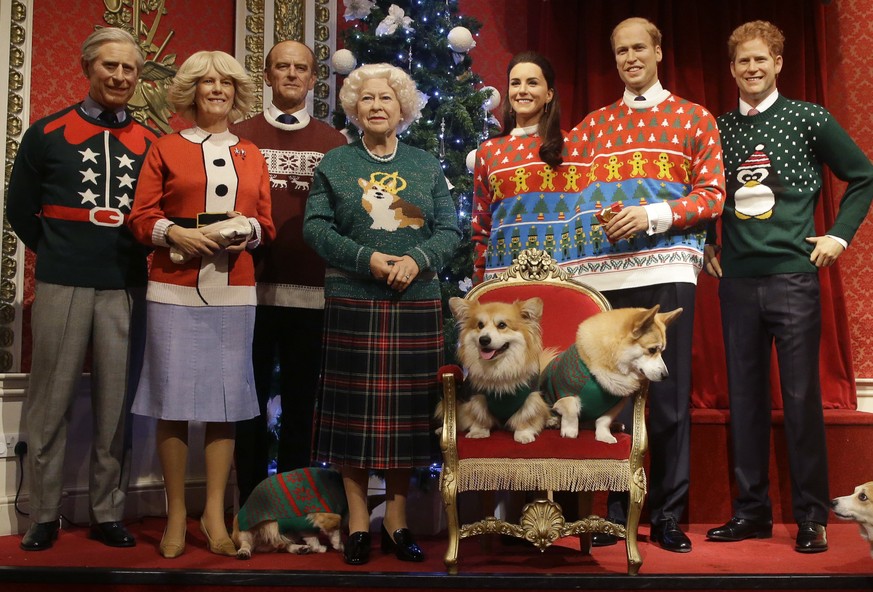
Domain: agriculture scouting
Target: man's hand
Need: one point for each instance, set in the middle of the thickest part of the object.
(626, 223)
(710, 260)
(825, 252)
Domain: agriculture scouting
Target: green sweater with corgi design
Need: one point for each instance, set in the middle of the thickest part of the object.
(359, 205)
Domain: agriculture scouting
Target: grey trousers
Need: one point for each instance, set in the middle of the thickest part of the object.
(64, 320)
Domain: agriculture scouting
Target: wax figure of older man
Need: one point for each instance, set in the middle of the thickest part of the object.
(71, 189)
(290, 275)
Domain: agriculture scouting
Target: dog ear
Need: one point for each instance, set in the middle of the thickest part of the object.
(643, 320)
(531, 309)
(668, 317)
(460, 308)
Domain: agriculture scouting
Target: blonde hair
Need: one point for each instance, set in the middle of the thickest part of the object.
(92, 44)
(184, 84)
(399, 81)
(650, 27)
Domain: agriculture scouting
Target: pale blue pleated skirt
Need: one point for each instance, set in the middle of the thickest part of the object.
(198, 364)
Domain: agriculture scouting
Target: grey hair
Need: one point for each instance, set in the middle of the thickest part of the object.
(184, 84)
(105, 35)
(400, 82)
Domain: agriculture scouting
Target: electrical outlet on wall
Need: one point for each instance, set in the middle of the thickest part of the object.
(7, 444)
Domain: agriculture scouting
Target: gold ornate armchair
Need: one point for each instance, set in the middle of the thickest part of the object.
(551, 463)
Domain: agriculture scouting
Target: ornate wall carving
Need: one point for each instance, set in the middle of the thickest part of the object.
(10, 257)
(308, 21)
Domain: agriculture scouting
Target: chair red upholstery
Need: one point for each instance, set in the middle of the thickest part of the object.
(550, 463)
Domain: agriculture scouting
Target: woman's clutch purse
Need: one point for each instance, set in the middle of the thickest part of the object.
(226, 232)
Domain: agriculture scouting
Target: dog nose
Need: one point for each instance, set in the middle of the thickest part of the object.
(484, 340)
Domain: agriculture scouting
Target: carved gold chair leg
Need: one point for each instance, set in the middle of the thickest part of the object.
(449, 493)
(635, 507)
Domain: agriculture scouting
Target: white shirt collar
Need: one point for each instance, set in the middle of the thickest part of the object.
(92, 108)
(273, 112)
(765, 104)
(654, 95)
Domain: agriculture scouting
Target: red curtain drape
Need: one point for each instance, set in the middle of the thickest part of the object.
(574, 35)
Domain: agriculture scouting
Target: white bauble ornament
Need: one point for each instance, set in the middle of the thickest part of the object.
(461, 40)
(343, 61)
(471, 160)
(493, 99)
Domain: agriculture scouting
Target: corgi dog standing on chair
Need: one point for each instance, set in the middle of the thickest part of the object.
(501, 348)
(858, 507)
(287, 507)
(614, 352)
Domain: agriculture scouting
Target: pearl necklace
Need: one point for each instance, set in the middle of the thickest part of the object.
(387, 157)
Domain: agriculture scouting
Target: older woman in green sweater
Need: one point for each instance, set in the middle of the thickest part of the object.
(381, 215)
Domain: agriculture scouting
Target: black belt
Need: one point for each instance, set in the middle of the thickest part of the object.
(202, 219)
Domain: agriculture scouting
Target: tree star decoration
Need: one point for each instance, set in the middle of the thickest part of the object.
(396, 17)
(461, 40)
(423, 98)
(357, 9)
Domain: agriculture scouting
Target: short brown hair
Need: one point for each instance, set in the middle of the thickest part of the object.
(763, 30)
(648, 25)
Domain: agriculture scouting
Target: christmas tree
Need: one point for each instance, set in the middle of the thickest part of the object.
(430, 39)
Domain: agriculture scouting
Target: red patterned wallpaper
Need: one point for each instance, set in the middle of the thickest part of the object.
(849, 36)
(57, 80)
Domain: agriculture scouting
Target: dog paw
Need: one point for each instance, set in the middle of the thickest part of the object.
(244, 554)
(299, 549)
(478, 433)
(569, 432)
(607, 438)
(525, 436)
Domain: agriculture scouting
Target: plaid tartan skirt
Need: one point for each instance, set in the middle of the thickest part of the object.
(378, 386)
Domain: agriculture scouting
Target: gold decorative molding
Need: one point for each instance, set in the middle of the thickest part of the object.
(254, 44)
(15, 126)
(149, 102)
(321, 46)
(290, 21)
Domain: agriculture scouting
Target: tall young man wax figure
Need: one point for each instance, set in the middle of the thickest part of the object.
(290, 276)
(769, 288)
(71, 189)
(655, 159)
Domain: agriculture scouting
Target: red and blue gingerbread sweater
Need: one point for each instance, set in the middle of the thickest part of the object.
(520, 202)
(665, 150)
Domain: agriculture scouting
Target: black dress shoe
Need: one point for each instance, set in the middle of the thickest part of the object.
(740, 529)
(112, 534)
(670, 537)
(40, 536)
(811, 538)
(403, 545)
(357, 549)
(603, 539)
